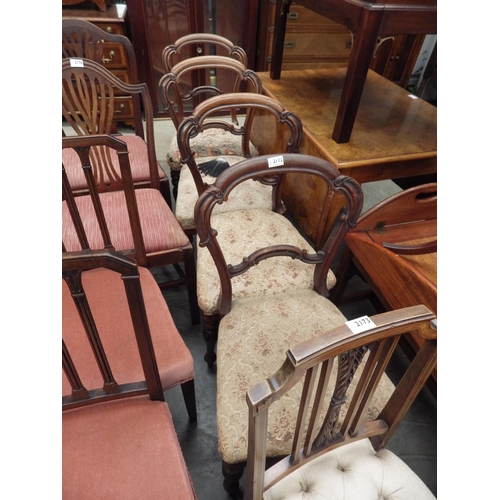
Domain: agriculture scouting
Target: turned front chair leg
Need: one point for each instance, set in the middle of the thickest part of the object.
(210, 328)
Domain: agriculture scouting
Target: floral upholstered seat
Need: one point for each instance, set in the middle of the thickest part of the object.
(210, 143)
(241, 233)
(249, 195)
(251, 343)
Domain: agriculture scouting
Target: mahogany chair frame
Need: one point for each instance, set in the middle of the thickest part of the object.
(314, 360)
(73, 264)
(259, 168)
(205, 116)
(88, 108)
(83, 145)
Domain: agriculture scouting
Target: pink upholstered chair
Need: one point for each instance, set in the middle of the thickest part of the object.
(192, 81)
(92, 98)
(342, 453)
(138, 222)
(118, 438)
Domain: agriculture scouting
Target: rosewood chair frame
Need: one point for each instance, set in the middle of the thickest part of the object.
(198, 44)
(205, 116)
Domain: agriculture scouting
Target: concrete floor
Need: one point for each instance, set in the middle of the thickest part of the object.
(415, 441)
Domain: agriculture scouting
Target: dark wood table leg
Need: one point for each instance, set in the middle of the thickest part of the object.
(363, 49)
(282, 9)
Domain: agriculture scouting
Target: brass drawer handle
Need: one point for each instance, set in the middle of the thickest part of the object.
(108, 60)
(109, 29)
(289, 45)
(122, 107)
(293, 15)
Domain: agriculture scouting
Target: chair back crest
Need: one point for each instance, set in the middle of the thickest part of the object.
(198, 44)
(311, 363)
(191, 81)
(74, 264)
(272, 170)
(207, 115)
(89, 93)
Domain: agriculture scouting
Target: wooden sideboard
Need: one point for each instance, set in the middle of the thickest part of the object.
(112, 20)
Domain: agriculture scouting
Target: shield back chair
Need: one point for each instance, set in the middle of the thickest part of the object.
(117, 430)
(82, 39)
(184, 87)
(89, 114)
(343, 454)
(138, 222)
(209, 116)
(271, 288)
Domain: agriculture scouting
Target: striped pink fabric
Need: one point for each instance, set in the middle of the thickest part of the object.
(138, 158)
(161, 230)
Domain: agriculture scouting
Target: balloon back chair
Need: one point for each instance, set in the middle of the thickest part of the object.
(190, 82)
(117, 431)
(138, 222)
(208, 116)
(272, 292)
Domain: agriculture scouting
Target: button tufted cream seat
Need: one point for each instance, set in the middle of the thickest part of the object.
(342, 456)
(355, 471)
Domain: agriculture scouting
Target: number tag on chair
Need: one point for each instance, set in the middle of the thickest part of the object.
(361, 324)
(76, 63)
(275, 161)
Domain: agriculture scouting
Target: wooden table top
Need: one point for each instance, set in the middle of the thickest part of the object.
(391, 127)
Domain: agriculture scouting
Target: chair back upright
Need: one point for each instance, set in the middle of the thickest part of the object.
(82, 39)
(89, 92)
(73, 265)
(272, 170)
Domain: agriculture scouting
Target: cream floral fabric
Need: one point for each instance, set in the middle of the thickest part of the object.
(210, 142)
(271, 276)
(249, 194)
(253, 339)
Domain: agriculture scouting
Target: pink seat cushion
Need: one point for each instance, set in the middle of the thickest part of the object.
(124, 449)
(161, 230)
(108, 303)
(138, 158)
